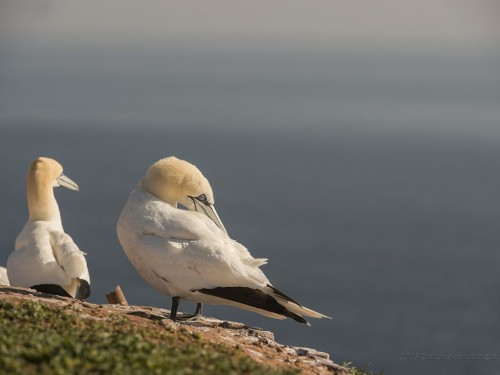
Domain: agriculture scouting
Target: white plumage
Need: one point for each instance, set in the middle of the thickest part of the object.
(4, 279)
(46, 258)
(187, 254)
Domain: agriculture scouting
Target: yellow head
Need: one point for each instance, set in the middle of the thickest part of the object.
(176, 181)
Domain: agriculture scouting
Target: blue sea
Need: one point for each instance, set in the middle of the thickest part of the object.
(371, 181)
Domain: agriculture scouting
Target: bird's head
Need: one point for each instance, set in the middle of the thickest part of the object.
(176, 181)
(48, 172)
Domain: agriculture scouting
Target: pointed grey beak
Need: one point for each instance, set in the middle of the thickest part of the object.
(209, 210)
(66, 182)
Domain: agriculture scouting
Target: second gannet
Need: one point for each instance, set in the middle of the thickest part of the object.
(45, 258)
(188, 254)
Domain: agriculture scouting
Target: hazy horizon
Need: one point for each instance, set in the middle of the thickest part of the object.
(441, 24)
(249, 89)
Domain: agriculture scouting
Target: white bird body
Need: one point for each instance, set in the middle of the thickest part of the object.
(188, 254)
(46, 258)
(186, 247)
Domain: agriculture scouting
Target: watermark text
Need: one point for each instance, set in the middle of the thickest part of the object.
(449, 356)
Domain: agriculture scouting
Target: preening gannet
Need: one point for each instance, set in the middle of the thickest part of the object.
(188, 254)
(4, 279)
(46, 259)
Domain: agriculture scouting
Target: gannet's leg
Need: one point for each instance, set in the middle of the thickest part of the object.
(175, 306)
(197, 313)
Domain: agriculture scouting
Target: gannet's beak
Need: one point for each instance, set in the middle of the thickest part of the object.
(208, 209)
(66, 182)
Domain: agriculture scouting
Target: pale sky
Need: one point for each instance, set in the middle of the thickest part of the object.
(429, 22)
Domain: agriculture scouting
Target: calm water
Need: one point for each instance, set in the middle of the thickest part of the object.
(392, 233)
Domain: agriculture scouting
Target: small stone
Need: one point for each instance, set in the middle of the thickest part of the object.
(302, 351)
(271, 344)
(257, 333)
(311, 352)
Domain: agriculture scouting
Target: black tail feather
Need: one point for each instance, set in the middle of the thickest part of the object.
(253, 297)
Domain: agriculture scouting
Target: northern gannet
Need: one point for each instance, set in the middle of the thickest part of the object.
(188, 254)
(4, 279)
(46, 259)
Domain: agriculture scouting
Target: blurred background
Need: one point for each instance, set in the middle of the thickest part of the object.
(355, 144)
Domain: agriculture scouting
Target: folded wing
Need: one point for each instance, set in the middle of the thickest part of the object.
(72, 261)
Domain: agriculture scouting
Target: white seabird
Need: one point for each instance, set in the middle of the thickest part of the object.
(46, 259)
(188, 254)
(4, 279)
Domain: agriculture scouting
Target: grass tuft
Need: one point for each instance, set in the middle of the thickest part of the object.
(360, 371)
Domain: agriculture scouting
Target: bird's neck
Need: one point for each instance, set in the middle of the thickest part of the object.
(42, 204)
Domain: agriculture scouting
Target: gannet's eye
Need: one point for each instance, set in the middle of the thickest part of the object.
(202, 198)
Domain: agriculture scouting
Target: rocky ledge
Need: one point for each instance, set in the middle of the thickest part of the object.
(256, 343)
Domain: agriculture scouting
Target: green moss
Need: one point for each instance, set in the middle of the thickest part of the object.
(359, 371)
(41, 339)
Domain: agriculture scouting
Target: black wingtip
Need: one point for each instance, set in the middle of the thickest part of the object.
(298, 318)
(253, 297)
(283, 295)
(51, 289)
(83, 290)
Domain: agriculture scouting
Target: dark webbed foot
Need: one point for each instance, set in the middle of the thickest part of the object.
(196, 316)
(175, 305)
